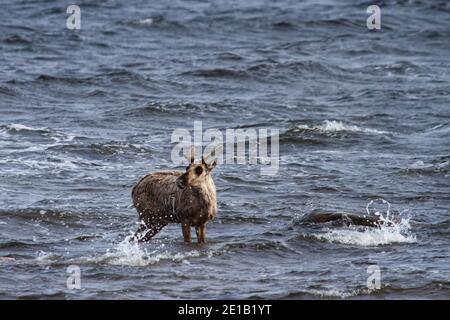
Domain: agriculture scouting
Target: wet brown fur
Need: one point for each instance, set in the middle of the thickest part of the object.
(167, 197)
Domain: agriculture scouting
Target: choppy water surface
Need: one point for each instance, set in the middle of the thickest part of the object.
(362, 115)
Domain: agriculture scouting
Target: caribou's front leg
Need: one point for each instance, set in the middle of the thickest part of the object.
(201, 233)
(146, 231)
(186, 232)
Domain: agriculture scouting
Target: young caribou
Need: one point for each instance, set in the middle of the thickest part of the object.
(167, 197)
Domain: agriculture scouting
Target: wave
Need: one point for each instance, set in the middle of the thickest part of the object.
(21, 138)
(101, 149)
(393, 229)
(69, 80)
(331, 131)
(16, 39)
(228, 55)
(334, 293)
(365, 236)
(421, 166)
(328, 293)
(155, 21)
(434, 289)
(285, 25)
(105, 78)
(239, 219)
(146, 21)
(21, 129)
(52, 165)
(439, 165)
(16, 127)
(397, 68)
(133, 254)
(44, 215)
(8, 91)
(218, 73)
(5, 260)
(274, 247)
(14, 244)
(433, 34)
(136, 258)
(334, 23)
(274, 70)
(183, 108)
(332, 126)
(63, 143)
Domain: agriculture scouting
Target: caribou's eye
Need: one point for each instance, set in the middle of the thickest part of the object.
(187, 168)
(198, 171)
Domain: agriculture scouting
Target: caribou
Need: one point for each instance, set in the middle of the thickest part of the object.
(188, 198)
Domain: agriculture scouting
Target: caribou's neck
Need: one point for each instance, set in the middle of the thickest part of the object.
(207, 192)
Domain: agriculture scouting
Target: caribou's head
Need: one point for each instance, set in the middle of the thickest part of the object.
(196, 173)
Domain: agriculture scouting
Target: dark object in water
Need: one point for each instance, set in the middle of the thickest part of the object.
(318, 216)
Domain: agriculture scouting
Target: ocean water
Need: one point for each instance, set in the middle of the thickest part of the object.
(364, 120)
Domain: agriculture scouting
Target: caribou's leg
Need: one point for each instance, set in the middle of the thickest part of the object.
(186, 232)
(201, 233)
(148, 231)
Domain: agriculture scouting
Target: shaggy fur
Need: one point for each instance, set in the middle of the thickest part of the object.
(188, 198)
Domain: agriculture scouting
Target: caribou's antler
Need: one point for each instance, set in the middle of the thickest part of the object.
(216, 149)
(191, 156)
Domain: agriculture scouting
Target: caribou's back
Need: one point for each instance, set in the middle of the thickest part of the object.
(156, 195)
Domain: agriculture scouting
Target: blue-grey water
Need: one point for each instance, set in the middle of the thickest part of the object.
(363, 116)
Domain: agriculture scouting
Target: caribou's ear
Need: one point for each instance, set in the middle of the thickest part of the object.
(203, 161)
(212, 164)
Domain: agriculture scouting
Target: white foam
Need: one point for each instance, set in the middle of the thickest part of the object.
(42, 256)
(334, 293)
(6, 260)
(57, 136)
(394, 229)
(366, 236)
(420, 165)
(146, 22)
(21, 127)
(337, 126)
(133, 254)
(47, 165)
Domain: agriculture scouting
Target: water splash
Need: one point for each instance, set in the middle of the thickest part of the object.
(128, 253)
(393, 229)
